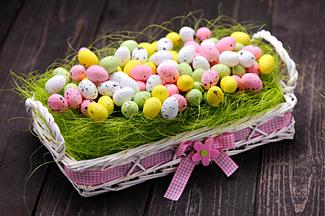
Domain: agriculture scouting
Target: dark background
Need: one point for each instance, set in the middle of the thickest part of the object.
(284, 178)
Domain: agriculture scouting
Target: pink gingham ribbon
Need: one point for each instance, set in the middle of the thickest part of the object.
(211, 150)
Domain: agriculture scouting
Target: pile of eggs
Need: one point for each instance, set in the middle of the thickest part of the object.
(163, 77)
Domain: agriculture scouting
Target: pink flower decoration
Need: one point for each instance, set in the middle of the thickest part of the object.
(204, 152)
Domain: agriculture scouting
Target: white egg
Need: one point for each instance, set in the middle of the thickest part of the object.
(140, 54)
(131, 83)
(123, 55)
(168, 62)
(169, 109)
(186, 33)
(88, 89)
(246, 58)
(55, 84)
(208, 42)
(153, 81)
(199, 62)
(165, 44)
(186, 54)
(229, 58)
(161, 56)
(108, 88)
(123, 95)
(117, 76)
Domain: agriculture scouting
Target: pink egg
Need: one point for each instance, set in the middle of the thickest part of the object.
(73, 97)
(142, 85)
(172, 89)
(251, 82)
(84, 106)
(226, 44)
(209, 78)
(78, 73)
(97, 74)
(254, 69)
(141, 72)
(194, 44)
(57, 103)
(210, 52)
(238, 80)
(257, 52)
(203, 33)
(182, 103)
(168, 73)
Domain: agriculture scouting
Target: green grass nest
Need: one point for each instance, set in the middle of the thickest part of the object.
(85, 139)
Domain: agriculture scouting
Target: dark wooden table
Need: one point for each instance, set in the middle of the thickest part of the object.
(284, 178)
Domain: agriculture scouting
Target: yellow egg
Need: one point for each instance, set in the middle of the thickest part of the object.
(119, 68)
(160, 92)
(175, 38)
(185, 83)
(130, 65)
(151, 107)
(241, 37)
(155, 45)
(215, 96)
(87, 58)
(266, 64)
(108, 103)
(148, 46)
(153, 66)
(175, 55)
(97, 112)
(228, 84)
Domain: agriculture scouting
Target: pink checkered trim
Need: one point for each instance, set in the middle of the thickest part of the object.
(226, 140)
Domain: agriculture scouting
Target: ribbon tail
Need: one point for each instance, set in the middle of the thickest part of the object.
(180, 179)
(227, 165)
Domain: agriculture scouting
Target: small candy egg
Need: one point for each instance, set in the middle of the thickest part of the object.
(142, 85)
(55, 84)
(185, 69)
(130, 44)
(186, 54)
(130, 65)
(194, 97)
(148, 46)
(70, 85)
(209, 78)
(160, 56)
(194, 44)
(251, 82)
(151, 107)
(214, 39)
(169, 62)
(108, 103)
(266, 64)
(205, 100)
(222, 69)
(153, 67)
(123, 55)
(238, 80)
(141, 97)
(62, 71)
(122, 95)
(73, 97)
(97, 74)
(197, 74)
(165, 44)
(153, 81)
(238, 47)
(78, 73)
(57, 103)
(215, 96)
(154, 45)
(197, 85)
(174, 54)
(169, 109)
(140, 54)
(208, 42)
(182, 103)
(246, 58)
(110, 63)
(241, 37)
(175, 38)
(238, 70)
(172, 89)
(131, 83)
(84, 107)
(254, 69)
(226, 44)
(257, 52)
(229, 58)
(108, 88)
(117, 76)
(228, 84)
(203, 33)
(186, 33)
(86, 57)
(129, 108)
(141, 72)
(97, 112)
(185, 83)
(168, 72)
(160, 92)
(210, 52)
(88, 89)
(200, 62)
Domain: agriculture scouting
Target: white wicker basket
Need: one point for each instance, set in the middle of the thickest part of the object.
(131, 159)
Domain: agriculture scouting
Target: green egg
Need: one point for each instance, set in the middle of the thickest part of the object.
(141, 97)
(238, 46)
(197, 85)
(194, 97)
(62, 71)
(185, 69)
(222, 69)
(110, 63)
(129, 108)
(238, 70)
(197, 74)
(214, 39)
(205, 100)
(130, 44)
(70, 85)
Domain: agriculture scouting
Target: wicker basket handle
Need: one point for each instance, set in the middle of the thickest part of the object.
(51, 136)
(291, 65)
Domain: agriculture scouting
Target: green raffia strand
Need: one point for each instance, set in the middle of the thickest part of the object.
(86, 139)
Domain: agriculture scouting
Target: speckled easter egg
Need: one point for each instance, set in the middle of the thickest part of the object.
(174, 54)
(266, 64)
(108, 103)
(70, 85)
(131, 83)
(169, 62)
(161, 56)
(169, 109)
(210, 52)
(228, 84)
(238, 70)
(86, 57)
(148, 46)
(182, 103)
(229, 58)
(209, 78)
(197, 74)
(160, 92)
(55, 84)
(57, 103)
(238, 80)
(215, 96)
(73, 97)
(130, 44)
(141, 72)
(117, 76)
(129, 108)
(186, 54)
(222, 69)
(186, 33)
(200, 62)
(97, 74)
(97, 112)
(142, 85)
(123, 55)
(172, 89)
(62, 71)
(110, 63)
(226, 44)
(151, 108)
(246, 58)
(153, 66)
(238, 47)
(198, 86)
(167, 72)
(251, 82)
(185, 83)
(77, 73)
(108, 88)
(84, 107)
(194, 97)
(88, 89)
(241, 37)
(185, 69)
(140, 54)
(257, 52)
(203, 33)
(141, 97)
(208, 42)
(175, 38)
(122, 95)
(130, 65)
(254, 69)
(194, 44)
(153, 81)
(165, 44)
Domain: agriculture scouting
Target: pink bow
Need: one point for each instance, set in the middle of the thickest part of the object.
(211, 150)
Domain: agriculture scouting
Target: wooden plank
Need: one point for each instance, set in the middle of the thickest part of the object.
(292, 180)
(36, 39)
